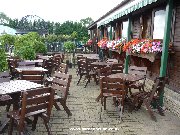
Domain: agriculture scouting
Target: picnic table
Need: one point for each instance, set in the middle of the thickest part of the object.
(14, 88)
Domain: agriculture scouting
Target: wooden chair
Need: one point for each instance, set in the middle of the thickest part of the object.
(36, 76)
(35, 103)
(142, 71)
(63, 68)
(104, 72)
(12, 64)
(149, 97)
(5, 100)
(57, 60)
(79, 59)
(48, 64)
(117, 68)
(61, 83)
(87, 70)
(113, 87)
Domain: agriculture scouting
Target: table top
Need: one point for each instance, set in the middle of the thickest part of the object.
(101, 63)
(17, 86)
(35, 61)
(24, 68)
(127, 77)
(44, 57)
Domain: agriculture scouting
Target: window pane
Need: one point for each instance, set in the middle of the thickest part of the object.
(124, 29)
(159, 24)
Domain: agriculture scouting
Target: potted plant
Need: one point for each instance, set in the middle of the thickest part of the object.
(69, 47)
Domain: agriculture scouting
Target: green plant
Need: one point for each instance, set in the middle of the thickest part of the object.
(27, 45)
(7, 39)
(27, 53)
(40, 47)
(3, 61)
(69, 46)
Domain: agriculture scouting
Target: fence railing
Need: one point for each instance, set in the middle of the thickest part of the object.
(55, 47)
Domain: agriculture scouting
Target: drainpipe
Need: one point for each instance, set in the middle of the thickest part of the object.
(166, 40)
(128, 39)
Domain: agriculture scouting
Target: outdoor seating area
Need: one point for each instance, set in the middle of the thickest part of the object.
(118, 75)
(111, 101)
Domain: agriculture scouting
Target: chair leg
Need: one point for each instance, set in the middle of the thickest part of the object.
(11, 126)
(104, 103)
(34, 122)
(8, 107)
(95, 79)
(56, 106)
(130, 92)
(150, 111)
(79, 79)
(88, 81)
(66, 108)
(47, 127)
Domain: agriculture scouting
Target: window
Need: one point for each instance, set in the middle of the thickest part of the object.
(124, 29)
(159, 24)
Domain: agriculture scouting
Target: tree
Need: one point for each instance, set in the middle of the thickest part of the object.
(3, 18)
(87, 21)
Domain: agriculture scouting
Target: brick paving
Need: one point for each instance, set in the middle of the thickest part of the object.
(87, 117)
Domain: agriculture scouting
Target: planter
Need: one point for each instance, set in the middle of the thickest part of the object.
(150, 56)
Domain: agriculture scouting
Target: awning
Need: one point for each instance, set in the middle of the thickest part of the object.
(125, 10)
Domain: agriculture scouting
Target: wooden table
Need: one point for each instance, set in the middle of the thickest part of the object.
(45, 57)
(14, 88)
(128, 78)
(100, 64)
(35, 61)
(24, 68)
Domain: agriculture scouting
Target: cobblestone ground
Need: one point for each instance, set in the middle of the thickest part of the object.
(87, 117)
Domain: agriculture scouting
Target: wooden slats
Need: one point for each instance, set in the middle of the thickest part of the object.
(40, 91)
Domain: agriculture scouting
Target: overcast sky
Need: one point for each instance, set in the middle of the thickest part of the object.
(57, 10)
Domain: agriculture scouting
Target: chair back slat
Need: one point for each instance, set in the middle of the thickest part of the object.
(36, 109)
(37, 99)
(117, 68)
(61, 83)
(46, 100)
(34, 76)
(38, 92)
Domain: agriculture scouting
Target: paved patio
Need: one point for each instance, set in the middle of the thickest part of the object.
(87, 117)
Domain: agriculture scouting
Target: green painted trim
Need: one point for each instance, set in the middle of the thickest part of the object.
(128, 39)
(110, 33)
(166, 40)
(128, 10)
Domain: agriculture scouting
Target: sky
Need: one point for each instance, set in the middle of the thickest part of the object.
(57, 10)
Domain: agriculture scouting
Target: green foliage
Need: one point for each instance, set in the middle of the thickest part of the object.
(68, 30)
(69, 46)
(7, 39)
(27, 52)
(40, 47)
(3, 61)
(27, 45)
(74, 35)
